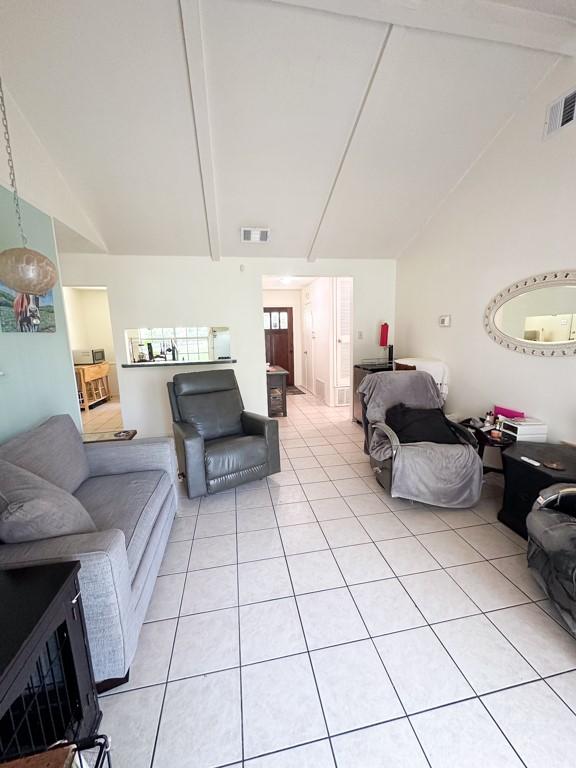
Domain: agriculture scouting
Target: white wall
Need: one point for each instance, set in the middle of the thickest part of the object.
(511, 217)
(39, 180)
(89, 325)
(177, 290)
(281, 298)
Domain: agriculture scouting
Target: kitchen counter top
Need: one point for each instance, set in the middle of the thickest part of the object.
(169, 363)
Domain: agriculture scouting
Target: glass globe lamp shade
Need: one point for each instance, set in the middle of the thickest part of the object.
(27, 271)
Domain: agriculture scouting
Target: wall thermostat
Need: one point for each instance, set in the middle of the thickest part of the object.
(445, 321)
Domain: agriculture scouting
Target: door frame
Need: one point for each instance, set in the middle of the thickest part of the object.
(308, 351)
(289, 310)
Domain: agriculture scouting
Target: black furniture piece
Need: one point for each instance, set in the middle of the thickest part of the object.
(219, 445)
(485, 440)
(363, 369)
(552, 548)
(47, 689)
(276, 381)
(523, 481)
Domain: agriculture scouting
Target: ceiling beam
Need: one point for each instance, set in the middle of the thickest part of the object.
(494, 20)
(190, 16)
(310, 255)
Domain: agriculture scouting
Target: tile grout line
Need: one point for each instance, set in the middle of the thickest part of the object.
(351, 594)
(449, 655)
(239, 633)
(167, 681)
(308, 651)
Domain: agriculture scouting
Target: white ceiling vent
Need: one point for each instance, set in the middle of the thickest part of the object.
(560, 113)
(254, 235)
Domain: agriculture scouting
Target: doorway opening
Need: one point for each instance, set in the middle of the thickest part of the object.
(279, 339)
(308, 334)
(90, 334)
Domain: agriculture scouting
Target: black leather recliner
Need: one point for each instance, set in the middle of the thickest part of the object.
(551, 529)
(219, 445)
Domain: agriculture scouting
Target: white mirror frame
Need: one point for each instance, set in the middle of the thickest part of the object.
(561, 349)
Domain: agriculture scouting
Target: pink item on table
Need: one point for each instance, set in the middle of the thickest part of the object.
(508, 413)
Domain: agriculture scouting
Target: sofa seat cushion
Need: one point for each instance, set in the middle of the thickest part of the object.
(130, 502)
(54, 451)
(228, 455)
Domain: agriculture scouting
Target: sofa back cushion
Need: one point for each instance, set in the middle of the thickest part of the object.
(32, 508)
(54, 451)
(211, 401)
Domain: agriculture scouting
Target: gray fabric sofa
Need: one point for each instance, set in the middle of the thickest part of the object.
(128, 490)
(219, 445)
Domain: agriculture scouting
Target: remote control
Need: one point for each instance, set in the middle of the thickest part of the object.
(530, 461)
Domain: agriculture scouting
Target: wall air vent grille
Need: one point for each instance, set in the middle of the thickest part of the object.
(343, 396)
(560, 113)
(254, 235)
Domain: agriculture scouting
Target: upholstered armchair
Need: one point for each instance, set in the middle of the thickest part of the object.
(219, 445)
(446, 475)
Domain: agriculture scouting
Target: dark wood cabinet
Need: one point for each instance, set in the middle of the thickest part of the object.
(524, 481)
(361, 370)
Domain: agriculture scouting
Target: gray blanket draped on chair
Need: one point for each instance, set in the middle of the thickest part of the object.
(431, 473)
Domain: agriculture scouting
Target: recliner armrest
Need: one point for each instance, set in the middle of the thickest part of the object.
(464, 434)
(254, 424)
(390, 434)
(190, 454)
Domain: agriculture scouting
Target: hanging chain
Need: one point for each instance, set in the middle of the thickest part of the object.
(11, 167)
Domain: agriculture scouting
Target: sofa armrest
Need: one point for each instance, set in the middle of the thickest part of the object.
(121, 456)
(105, 586)
(254, 424)
(190, 453)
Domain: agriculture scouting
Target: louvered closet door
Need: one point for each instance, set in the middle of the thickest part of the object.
(343, 325)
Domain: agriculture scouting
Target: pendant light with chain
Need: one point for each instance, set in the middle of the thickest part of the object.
(22, 269)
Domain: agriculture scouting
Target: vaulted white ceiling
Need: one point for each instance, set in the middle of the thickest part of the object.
(339, 124)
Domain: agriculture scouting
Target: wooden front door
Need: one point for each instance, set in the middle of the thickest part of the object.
(278, 332)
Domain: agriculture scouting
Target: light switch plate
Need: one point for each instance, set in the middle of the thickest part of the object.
(445, 321)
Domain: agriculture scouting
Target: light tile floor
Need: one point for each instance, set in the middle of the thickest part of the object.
(312, 621)
(104, 417)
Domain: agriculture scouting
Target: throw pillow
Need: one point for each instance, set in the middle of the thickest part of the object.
(32, 508)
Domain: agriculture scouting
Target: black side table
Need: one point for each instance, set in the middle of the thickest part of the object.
(524, 481)
(485, 440)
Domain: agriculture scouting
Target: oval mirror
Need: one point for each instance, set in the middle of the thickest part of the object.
(536, 316)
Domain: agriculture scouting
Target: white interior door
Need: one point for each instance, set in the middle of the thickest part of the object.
(308, 348)
(343, 328)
